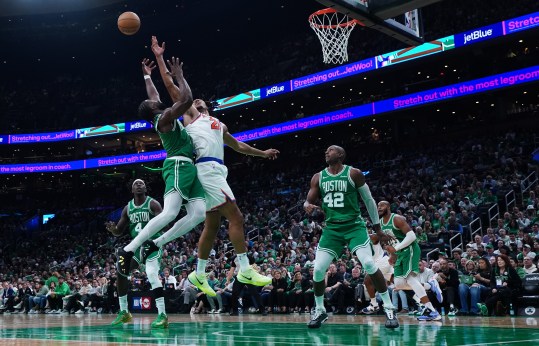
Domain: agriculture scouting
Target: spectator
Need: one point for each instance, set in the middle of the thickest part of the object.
(505, 285)
(529, 266)
(55, 297)
(37, 303)
(448, 279)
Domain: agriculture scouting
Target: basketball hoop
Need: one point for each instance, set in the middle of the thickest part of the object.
(333, 29)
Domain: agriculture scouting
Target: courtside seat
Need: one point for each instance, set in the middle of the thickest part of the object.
(528, 302)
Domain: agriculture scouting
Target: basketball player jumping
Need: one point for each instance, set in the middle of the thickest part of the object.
(209, 136)
(408, 257)
(338, 186)
(179, 171)
(135, 215)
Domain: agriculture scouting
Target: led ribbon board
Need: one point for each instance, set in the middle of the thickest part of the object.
(445, 93)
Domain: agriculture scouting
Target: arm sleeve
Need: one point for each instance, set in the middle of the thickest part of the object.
(407, 241)
(366, 196)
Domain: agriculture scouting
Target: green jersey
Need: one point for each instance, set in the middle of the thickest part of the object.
(139, 216)
(339, 196)
(389, 228)
(177, 141)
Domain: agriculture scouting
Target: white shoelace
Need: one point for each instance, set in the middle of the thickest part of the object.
(390, 313)
(318, 313)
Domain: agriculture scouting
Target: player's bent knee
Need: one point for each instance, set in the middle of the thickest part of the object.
(370, 266)
(319, 275)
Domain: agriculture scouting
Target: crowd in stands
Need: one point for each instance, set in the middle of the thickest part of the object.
(69, 264)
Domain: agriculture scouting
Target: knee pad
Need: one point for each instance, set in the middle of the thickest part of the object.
(400, 282)
(370, 266)
(319, 275)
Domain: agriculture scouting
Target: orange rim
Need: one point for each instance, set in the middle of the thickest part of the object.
(333, 26)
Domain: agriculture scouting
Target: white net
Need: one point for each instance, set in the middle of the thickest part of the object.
(333, 29)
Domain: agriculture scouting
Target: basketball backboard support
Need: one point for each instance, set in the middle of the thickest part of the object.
(383, 15)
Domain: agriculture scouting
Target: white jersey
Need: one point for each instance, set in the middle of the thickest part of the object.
(207, 135)
(378, 252)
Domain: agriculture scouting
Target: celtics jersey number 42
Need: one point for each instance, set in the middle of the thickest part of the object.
(339, 196)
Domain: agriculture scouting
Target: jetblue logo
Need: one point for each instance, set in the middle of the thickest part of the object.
(477, 34)
(138, 125)
(274, 90)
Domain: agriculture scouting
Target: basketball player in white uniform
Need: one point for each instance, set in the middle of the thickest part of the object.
(382, 262)
(209, 136)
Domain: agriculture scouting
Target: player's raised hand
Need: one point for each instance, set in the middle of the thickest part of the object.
(176, 67)
(147, 66)
(271, 154)
(156, 49)
(110, 226)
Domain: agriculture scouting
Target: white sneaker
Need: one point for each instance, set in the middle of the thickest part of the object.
(212, 311)
(79, 312)
(369, 310)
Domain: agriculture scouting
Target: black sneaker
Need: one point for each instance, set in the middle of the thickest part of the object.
(320, 316)
(146, 249)
(234, 313)
(123, 261)
(391, 318)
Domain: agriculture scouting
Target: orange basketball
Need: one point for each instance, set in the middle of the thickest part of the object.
(128, 23)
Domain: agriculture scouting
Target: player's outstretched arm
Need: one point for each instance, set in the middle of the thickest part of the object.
(186, 97)
(158, 51)
(151, 90)
(168, 77)
(245, 148)
(119, 228)
(365, 193)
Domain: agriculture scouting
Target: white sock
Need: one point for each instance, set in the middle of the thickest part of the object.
(201, 266)
(430, 306)
(123, 303)
(244, 261)
(160, 304)
(387, 300)
(374, 302)
(319, 300)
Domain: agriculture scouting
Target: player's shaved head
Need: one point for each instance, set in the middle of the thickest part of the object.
(340, 152)
(386, 203)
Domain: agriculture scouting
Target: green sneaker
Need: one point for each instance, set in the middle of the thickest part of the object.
(252, 277)
(161, 321)
(123, 317)
(201, 282)
(483, 308)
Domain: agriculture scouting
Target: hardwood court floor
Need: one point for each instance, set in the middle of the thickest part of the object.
(258, 330)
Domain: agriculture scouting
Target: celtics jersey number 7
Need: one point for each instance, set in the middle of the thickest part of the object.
(339, 196)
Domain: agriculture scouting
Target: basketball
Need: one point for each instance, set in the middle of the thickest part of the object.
(128, 23)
